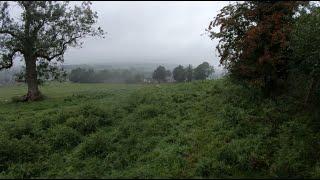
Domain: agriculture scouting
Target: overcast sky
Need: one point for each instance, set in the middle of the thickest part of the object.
(160, 32)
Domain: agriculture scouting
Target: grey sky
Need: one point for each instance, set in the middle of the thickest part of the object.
(161, 32)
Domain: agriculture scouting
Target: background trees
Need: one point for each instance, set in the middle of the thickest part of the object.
(203, 71)
(189, 73)
(160, 74)
(179, 74)
(43, 31)
(80, 75)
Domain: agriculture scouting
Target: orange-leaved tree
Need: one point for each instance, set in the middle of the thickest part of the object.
(254, 40)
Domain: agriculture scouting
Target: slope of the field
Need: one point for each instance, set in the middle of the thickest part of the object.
(188, 130)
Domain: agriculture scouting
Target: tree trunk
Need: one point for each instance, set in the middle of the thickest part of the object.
(31, 79)
(268, 84)
(311, 90)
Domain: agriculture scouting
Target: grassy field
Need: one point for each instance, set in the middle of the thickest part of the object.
(60, 90)
(203, 129)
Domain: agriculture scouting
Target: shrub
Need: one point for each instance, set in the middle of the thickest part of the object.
(148, 111)
(7, 151)
(24, 170)
(210, 168)
(20, 128)
(18, 151)
(89, 110)
(96, 144)
(84, 125)
(63, 137)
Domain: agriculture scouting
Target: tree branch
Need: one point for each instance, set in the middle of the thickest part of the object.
(7, 61)
(37, 28)
(61, 52)
(7, 32)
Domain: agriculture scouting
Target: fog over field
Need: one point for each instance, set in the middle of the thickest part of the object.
(154, 32)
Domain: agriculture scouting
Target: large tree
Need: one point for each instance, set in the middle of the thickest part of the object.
(254, 40)
(42, 31)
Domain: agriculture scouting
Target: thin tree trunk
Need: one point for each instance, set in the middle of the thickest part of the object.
(31, 78)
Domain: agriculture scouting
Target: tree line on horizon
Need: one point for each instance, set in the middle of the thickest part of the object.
(183, 74)
(159, 75)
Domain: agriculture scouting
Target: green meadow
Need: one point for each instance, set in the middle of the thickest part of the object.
(203, 129)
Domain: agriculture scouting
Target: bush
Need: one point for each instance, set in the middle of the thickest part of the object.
(96, 144)
(7, 151)
(209, 168)
(84, 125)
(147, 111)
(63, 137)
(20, 128)
(49, 120)
(18, 151)
(25, 170)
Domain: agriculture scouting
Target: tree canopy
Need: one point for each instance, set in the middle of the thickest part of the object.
(254, 38)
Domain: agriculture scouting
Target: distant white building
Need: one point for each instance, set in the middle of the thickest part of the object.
(169, 79)
(148, 80)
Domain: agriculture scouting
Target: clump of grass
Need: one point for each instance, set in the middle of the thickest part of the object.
(63, 137)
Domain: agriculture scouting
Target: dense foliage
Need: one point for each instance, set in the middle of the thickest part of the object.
(305, 43)
(254, 41)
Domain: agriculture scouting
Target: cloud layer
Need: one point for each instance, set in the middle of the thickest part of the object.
(161, 32)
